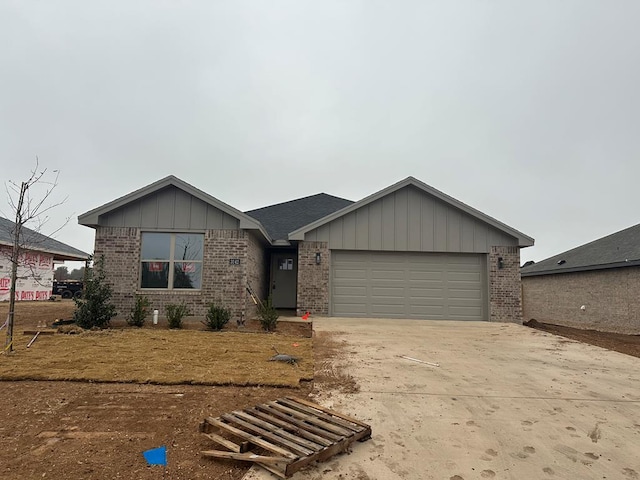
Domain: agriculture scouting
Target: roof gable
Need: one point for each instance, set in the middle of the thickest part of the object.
(32, 240)
(282, 218)
(620, 249)
(93, 218)
(522, 239)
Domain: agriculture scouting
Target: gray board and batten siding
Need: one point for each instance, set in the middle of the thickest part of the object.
(169, 209)
(413, 221)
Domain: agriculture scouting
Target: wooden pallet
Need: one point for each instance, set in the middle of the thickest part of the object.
(292, 432)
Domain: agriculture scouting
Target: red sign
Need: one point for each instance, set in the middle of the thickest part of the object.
(189, 267)
(5, 283)
(156, 266)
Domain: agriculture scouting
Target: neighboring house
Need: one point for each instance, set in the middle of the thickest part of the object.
(594, 286)
(35, 264)
(408, 251)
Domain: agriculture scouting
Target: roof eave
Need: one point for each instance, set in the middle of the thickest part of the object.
(57, 254)
(583, 268)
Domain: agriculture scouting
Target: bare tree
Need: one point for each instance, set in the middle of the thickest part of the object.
(27, 209)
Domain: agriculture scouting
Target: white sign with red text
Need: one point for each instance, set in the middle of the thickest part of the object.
(35, 275)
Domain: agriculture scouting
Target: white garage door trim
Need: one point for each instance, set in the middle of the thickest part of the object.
(431, 286)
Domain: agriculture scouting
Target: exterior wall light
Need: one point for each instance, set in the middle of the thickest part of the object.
(500, 263)
(318, 258)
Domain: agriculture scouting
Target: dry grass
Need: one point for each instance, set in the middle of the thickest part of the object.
(160, 356)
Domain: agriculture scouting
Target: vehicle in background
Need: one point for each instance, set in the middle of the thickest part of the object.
(68, 288)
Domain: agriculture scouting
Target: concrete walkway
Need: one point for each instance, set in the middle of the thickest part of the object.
(506, 402)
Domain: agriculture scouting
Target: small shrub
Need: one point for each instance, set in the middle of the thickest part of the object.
(268, 315)
(139, 311)
(175, 314)
(94, 308)
(217, 317)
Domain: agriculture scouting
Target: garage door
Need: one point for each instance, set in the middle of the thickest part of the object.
(408, 285)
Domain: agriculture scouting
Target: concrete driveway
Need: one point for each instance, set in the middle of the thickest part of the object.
(506, 402)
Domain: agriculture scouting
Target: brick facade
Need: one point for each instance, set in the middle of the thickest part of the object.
(313, 279)
(222, 282)
(611, 299)
(505, 293)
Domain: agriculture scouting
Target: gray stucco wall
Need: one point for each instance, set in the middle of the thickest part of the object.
(611, 299)
(169, 208)
(410, 220)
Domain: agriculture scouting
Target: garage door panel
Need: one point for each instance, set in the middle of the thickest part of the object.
(408, 285)
(348, 309)
(434, 311)
(348, 273)
(387, 274)
(425, 293)
(388, 292)
(465, 294)
(435, 276)
(385, 310)
(352, 291)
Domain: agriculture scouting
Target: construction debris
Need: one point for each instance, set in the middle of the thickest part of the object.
(290, 432)
(419, 361)
(33, 339)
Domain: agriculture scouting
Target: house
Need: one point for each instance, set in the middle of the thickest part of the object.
(35, 264)
(408, 251)
(594, 286)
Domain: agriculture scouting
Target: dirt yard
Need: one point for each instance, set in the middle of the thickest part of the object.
(618, 342)
(78, 430)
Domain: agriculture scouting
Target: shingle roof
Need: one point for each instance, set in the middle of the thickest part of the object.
(33, 240)
(283, 218)
(620, 249)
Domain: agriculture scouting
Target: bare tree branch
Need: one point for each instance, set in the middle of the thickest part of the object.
(27, 209)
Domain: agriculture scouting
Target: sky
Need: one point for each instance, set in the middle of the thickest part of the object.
(527, 111)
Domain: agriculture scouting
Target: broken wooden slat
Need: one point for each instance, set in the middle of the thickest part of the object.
(329, 411)
(234, 447)
(266, 434)
(317, 439)
(252, 438)
(322, 415)
(278, 431)
(252, 457)
(301, 423)
(309, 418)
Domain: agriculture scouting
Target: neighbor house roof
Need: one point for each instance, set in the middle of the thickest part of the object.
(523, 240)
(283, 218)
(620, 249)
(32, 240)
(91, 217)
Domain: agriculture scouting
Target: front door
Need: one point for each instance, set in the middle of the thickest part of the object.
(283, 279)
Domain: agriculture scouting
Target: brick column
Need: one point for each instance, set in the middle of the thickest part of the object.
(120, 247)
(505, 293)
(313, 278)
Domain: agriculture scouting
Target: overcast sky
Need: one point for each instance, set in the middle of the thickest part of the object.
(527, 111)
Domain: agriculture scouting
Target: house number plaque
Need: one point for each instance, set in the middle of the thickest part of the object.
(234, 261)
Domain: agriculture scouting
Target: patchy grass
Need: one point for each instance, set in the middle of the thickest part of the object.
(160, 357)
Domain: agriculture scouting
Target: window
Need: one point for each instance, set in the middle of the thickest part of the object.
(172, 260)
